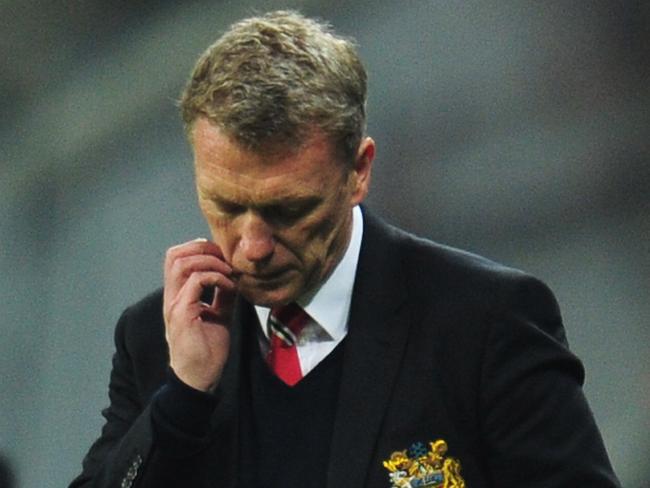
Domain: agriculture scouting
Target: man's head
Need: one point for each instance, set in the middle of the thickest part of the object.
(275, 114)
(274, 78)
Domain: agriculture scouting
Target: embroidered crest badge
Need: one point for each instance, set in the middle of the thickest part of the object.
(419, 467)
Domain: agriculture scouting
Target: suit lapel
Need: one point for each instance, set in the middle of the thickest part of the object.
(226, 419)
(378, 329)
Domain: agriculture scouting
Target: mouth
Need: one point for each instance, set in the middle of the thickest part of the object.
(265, 277)
(269, 288)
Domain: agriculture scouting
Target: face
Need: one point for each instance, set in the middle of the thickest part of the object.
(282, 218)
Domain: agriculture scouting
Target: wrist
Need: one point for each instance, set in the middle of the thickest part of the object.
(185, 408)
(196, 382)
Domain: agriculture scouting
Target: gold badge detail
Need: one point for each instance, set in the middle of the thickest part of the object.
(419, 467)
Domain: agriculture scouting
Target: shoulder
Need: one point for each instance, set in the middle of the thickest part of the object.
(422, 257)
(142, 319)
(460, 284)
(140, 333)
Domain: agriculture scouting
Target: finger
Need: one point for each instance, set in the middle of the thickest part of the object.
(191, 292)
(220, 311)
(183, 267)
(197, 246)
(186, 306)
(191, 248)
(223, 299)
(182, 260)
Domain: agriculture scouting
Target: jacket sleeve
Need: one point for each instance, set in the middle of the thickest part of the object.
(538, 427)
(116, 458)
(147, 437)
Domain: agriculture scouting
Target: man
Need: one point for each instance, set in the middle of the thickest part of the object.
(310, 344)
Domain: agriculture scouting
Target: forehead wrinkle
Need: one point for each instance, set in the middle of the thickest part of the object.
(245, 178)
(224, 170)
(255, 191)
(216, 149)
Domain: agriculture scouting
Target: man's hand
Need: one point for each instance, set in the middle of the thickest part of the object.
(197, 333)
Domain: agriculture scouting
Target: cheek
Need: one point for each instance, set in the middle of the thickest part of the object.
(221, 231)
(330, 223)
(314, 239)
(216, 223)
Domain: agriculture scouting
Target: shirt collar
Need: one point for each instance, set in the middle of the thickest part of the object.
(329, 305)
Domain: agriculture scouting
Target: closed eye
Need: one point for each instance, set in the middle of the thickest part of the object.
(225, 207)
(230, 207)
(291, 211)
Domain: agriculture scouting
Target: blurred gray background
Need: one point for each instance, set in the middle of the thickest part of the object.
(516, 129)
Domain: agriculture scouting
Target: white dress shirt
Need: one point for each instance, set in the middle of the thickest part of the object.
(328, 306)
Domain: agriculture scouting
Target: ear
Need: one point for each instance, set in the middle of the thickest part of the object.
(362, 169)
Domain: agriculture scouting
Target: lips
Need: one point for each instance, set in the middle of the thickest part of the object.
(269, 276)
(261, 276)
(263, 281)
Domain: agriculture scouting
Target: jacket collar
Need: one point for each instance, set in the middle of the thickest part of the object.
(378, 329)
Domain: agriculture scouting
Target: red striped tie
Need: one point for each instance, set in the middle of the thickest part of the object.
(285, 325)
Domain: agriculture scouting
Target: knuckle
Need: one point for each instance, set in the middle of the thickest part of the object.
(170, 259)
(170, 253)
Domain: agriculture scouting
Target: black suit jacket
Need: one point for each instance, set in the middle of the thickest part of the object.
(442, 344)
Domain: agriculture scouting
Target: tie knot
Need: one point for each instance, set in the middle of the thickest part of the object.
(287, 321)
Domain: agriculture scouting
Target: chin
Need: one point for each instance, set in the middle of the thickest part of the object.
(268, 296)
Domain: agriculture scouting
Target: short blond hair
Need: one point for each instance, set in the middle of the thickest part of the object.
(272, 79)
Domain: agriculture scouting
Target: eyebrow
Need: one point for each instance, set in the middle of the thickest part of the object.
(296, 200)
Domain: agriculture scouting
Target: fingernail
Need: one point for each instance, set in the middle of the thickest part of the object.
(200, 239)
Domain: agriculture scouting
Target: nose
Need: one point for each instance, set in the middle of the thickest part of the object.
(256, 242)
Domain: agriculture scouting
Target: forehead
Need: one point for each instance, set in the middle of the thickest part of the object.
(222, 162)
